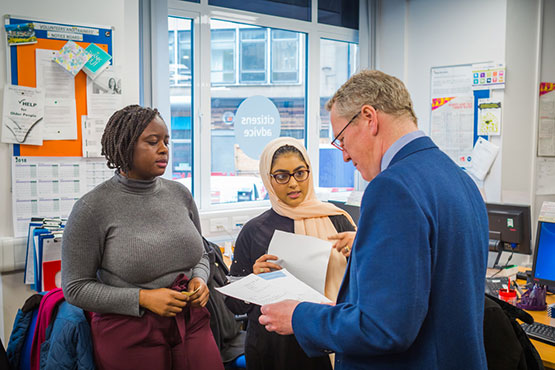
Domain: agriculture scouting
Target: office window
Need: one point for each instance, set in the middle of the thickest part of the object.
(252, 55)
(294, 9)
(285, 56)
(171, 43)
(338, 61)
(180, 98)
(184, 51)
(342, 13)
(222, 55)
(234, 175)
(238, 57)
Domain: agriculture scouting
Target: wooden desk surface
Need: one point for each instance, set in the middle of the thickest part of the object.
(546, 351)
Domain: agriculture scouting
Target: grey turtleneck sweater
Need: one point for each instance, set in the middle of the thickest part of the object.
(126, 235)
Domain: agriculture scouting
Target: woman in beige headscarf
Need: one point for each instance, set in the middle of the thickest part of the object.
(285, 171)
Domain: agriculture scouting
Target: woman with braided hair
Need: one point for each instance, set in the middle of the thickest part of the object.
(132, 254)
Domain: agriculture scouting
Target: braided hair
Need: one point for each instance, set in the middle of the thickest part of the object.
(122, 132)
(287, 149)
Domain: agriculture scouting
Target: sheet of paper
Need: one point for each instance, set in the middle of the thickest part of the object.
(22, 120)
(451, 81)
(306, 257)
(272, 287)
(482, 157)
(92, 130)
(489, 117)
(355, 198)
(48, 187)
(545, 178)
(104, 94)
(60, 117)
(452, 127)
(546, 128)
(547, 212)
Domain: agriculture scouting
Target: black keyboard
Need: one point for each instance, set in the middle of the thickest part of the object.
(543, 333)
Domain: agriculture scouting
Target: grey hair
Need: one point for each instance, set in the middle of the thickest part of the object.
(382, 91)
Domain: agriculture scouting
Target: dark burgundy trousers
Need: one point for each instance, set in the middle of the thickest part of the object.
(155, 342)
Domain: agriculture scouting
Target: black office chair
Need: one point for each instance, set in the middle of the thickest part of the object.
(507, 345)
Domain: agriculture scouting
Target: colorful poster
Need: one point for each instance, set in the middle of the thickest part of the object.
(488, 76)
(72, 57)
(546, 126)
(452, 128)
(20, 34)
(489, 117)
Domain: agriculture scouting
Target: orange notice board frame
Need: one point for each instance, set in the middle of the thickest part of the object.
(22, 66)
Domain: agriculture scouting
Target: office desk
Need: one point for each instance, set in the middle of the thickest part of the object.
(546, 351)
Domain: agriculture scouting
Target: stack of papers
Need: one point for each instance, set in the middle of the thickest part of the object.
(272, 287)
(43, 261)
(304, 260)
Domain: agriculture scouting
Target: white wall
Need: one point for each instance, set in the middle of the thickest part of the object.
(547, 71)
(415, 35)
(121, 14)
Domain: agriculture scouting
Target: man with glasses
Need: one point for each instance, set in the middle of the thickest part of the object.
(413, 293)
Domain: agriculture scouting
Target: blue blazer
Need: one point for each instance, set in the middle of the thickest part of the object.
(413, 292)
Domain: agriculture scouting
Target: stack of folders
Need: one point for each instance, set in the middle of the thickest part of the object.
(551, 310)
(43, 261)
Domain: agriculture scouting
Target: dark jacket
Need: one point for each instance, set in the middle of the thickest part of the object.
(507, 345)
(413, 292)
(227, 331)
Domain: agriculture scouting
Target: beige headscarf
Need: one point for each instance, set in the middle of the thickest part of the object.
(311, 216)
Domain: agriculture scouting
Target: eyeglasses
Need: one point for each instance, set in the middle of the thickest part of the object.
(336, 142)
(284, 177)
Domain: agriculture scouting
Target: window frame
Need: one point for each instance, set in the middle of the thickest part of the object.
(201, 13)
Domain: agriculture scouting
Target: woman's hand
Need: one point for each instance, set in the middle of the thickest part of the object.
(262, 265)
(197, 293)
(343, 242)
(163, 301)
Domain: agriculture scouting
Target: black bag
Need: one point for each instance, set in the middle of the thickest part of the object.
(226, 329)
(507, 345)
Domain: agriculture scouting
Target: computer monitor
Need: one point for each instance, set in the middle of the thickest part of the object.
(353, 211)
(509, 229)
(543, 270)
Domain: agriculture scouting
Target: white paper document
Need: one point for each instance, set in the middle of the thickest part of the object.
(545, 184)
(489, 117)
(452, 127)
(49, 186)
(451, 81)
(306, 257)
(60, 117)
(547, 212)
(482, 157)
(272, 287)
(546, 128)
(104, 94)
(22, 120)
(92, 130)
